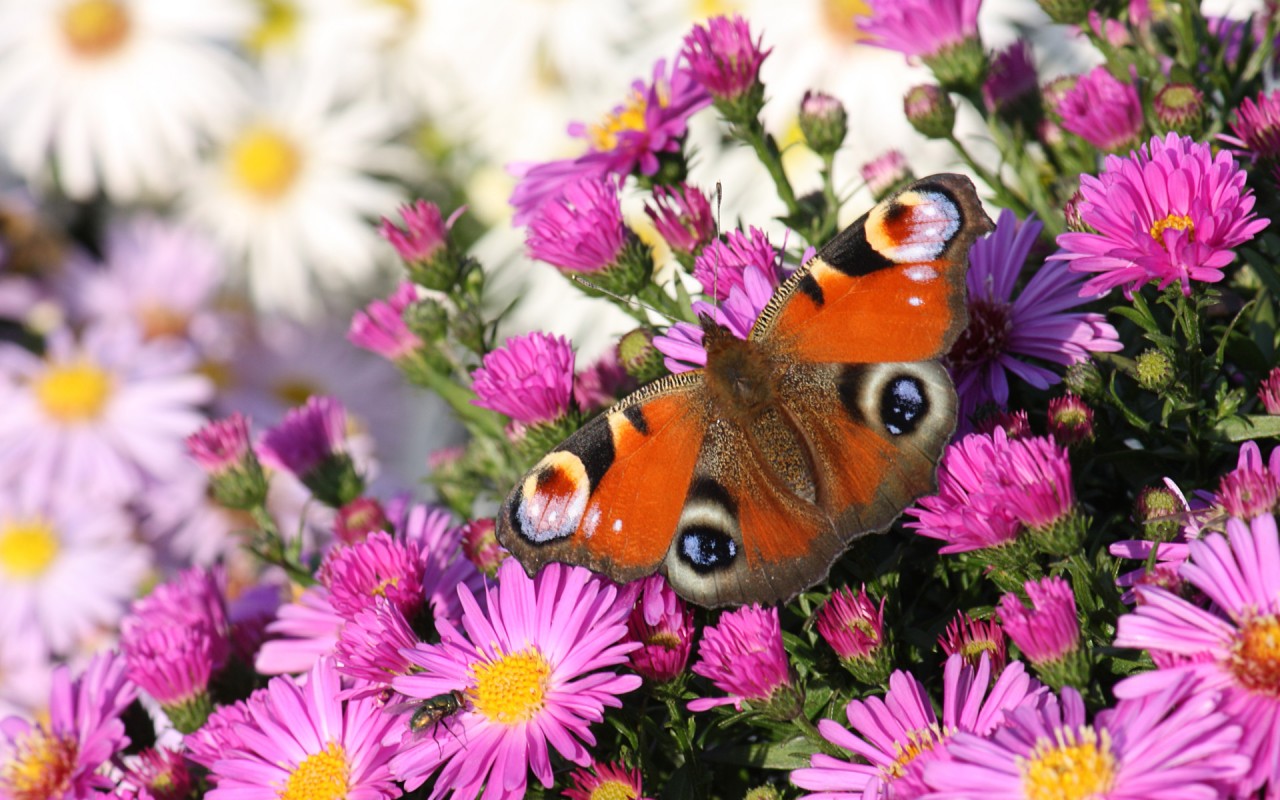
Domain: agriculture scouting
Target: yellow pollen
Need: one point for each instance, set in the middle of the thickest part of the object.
(513, 688)
(1076, 767)
(613, 790)
(666, 639)
(1255, 656)
(630, 117)
(278, 24)
(1179, 222)
(27, 547)
(840, 21)
(320, 776)
(95, 28)
(921, 741)
(40, 767)
(73, 392)
(381, 589)
(294, 391)
(973, 650)
(264, 163)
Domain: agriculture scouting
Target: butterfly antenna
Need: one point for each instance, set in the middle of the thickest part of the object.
(629, 301)
(715, 275)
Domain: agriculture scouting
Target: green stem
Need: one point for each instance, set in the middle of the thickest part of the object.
(1003, 194)
(480, 420)
(767, 151)
(811, 733)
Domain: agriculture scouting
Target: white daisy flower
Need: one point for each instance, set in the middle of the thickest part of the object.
(115, 95)
(310, 33)
(68, 566)
(293, 189)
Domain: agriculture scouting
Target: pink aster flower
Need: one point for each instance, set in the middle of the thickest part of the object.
(895, 739)
(722, 265)
(481, 547)
(535, 668)
(295, 738)
(681, 345)
(602, 383)
(662, 624)
(612, 780)
(308, 436)
(157, 774)
(372, 648)
(652, 121)
(885, 172)
(1104, 111)
(920, 28)
(221, 445)
(1269, 392)
(1170, 746)
(723, 58)
(1172, 211)
(1012, 77)
(582, 229)
(1050, 629)
(60, 758)
(530, 378)
(303, 631)
(1257, 128)
(425, 233)
(1016, 336)
(1187, 518)
(379, 566)
(105, 414)
(682, 216)
(852, 623)
(973, 638)
(380, 328)
(1228, 649)
(743, 656)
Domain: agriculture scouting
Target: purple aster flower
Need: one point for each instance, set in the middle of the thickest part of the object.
(1004, 332)
(1251, 489)
(1172, 211)
(426, 231)
(581, 230)
(852, 623)
(60, 757)
(662, 624)
(682, 216)
(895, 739)
(295, 738)
(920, 28)
(307, 437)
(1105, 112)
(1012, 77)
(381, 566)
(529, 379)
(629, 139)
(1170, 746)
(723, 58)
(380, 327)
(534, 668)
(743, 656)
(1070, 420)
(973, 638)
(681, 345)
(721, 265)
(1050, 629)
(1229, 648)
(1256, 126)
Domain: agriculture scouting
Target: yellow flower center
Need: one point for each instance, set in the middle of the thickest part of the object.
(1076, 767)
(95, 28)
(264, 163)
(41, 767)
(1179, 222)
(630, 117)
(1255, 656)
(27, 547)
(381, 589)
(613, 790)
(918, 742)
(840, 16)
(972, 651)
(278, 24)
(73, 392)
(513, 688)
(320, 776)
(665, 639)
(294, 391)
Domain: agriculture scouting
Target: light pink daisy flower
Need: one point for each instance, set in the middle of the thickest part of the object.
(535, 669)
(104, 414)
(296, 738)
(895, 739)
(68, 567)
(61, 758)
(743, 656)
(1170, 212)
(1229, 649)
(1173, 745)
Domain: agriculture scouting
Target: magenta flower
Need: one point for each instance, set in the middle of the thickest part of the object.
(600, 781)
(425, 235)
(662, 623)
(885, 172)
(303, 631)
(157, 775)
(1257, 128)
(380, 566)
(972, 638)
(920, 27)
(534, 667)
(1249, 491)
(59, 758)
(681, 345)
(896, 738)
(1070, 420)
(682, 216)
(723, 58)
(852, 623)
(1170, 746)
(602, 383)
(308, 436)
(1170, 554)
(221, 445)
(1014, 336)
(582, 229)
(652, 121)
(1228, 649)
(295, 738)
(742, 655)
(481, 547)
(721, 265)
(1048, 631)
(990, 487)
(1172, 211)
(1105, 112)
(1012, 76)
(371, 648)
(530, 378)
(380, 327)
(1269, 392)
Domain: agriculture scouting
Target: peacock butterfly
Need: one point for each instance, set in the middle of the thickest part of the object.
(744, 481)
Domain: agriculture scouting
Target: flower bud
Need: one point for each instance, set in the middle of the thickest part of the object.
(823, 122)
(1179, 108)
(1154, 370)
(930, 110)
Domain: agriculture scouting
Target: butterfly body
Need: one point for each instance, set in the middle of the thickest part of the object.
(742, 482)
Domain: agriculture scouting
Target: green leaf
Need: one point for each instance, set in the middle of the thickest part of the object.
(791, 754)
(1242, 429)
